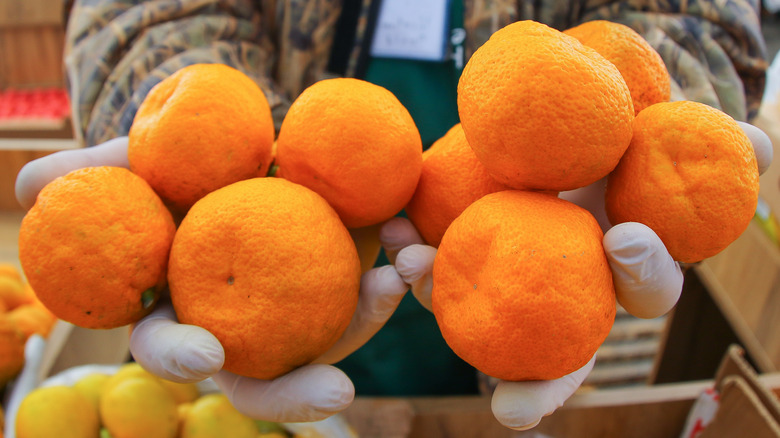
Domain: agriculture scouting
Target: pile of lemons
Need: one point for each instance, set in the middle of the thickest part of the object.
(134, 403)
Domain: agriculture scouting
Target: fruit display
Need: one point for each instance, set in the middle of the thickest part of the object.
(521, 286)
(126, 401)
(21, 316)
(102, 243)
(252, 238)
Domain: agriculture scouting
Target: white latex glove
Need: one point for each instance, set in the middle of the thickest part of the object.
(186, 353)
(648, 283)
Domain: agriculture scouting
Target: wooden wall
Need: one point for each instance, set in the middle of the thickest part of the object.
(31, 45)
(31, 41)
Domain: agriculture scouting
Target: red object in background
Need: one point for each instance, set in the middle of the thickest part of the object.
(34, 104)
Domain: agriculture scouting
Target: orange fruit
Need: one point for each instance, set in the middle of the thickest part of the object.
(521, 286)
(203, 127)
(13, 292)
(451, 179)
(356, 145)
(638, 62)
(9, 270)
(182, 392)
(11, 350)
(32, 319)
(543, 111)
(690, 174)
(94, 247)
(267, 267)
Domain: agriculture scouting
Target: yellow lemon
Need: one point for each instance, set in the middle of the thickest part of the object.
(56, 411)
(212, 415)
(182, 392)
(91, 386)
(139, 407)
(126, 371)
(181, 413)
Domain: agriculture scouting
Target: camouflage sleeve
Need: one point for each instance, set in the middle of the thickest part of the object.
(713, 49)
(117, 50)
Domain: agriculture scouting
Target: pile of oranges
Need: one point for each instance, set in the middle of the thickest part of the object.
(21, 316)
(265, 263)
(251, 234)
(522, 289)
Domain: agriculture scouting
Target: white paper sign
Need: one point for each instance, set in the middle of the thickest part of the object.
(412, 29)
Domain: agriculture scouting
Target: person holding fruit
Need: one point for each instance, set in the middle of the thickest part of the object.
(117, 52)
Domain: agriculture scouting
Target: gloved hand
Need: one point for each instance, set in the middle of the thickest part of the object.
(648, 283)
(186, 353)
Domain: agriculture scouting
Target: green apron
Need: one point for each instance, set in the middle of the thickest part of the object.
(409, 357)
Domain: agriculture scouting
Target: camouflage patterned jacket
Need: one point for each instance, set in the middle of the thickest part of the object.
(116, 50)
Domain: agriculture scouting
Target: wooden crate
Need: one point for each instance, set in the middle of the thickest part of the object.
(748, 407)
(744, 282)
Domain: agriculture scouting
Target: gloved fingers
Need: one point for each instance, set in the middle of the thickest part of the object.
(413, 259)
(396, 234)
(37, 173)
(415, 265)
(591, 198)
(381, 290)
(309, 393)
(761, 144)
(521, 405)
(648, 282)
(178, 352)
